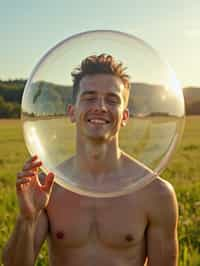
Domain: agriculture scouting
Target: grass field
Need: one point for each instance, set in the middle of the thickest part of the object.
(183, 172)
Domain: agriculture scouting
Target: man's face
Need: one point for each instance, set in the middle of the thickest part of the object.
(100, 111)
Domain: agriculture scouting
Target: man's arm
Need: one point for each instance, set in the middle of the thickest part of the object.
(32, 224)
(162, 243)
(25, 242)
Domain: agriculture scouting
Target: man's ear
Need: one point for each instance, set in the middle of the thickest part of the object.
(70, 111)
(125, 117)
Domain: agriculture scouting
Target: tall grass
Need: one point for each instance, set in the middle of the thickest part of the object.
(183, 172)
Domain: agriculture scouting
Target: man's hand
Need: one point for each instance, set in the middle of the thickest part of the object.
(32, 195)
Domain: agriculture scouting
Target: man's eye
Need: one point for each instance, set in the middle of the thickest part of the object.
(89, 98)
(113, 101)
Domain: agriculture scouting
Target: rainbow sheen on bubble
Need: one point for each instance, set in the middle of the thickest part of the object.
(156, 107)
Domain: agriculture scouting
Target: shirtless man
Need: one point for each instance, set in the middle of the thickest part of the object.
(131, 230)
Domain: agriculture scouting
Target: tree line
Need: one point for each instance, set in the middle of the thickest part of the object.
(11, 92)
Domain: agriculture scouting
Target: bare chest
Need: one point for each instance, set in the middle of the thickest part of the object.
(76, 221)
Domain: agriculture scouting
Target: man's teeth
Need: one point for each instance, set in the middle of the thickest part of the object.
(98, 121)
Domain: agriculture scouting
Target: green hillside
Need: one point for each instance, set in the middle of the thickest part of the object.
(11, 92)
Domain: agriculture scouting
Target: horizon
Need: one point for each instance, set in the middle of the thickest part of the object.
(26, 80)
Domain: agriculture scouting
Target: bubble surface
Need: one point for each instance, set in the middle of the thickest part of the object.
(147, 142)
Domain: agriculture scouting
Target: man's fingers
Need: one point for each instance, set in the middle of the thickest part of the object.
(48, 182)
(21, 182)
(32, 166)
(32, 159)
(24, 174)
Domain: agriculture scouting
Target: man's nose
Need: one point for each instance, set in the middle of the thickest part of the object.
(100, 104)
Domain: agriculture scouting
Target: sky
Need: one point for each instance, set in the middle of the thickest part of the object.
(29, 28)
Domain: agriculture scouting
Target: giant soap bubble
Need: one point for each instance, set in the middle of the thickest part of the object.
(156, 108)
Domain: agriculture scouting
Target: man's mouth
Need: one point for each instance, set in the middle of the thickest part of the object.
(98, 121)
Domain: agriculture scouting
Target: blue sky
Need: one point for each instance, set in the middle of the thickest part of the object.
(29, 28)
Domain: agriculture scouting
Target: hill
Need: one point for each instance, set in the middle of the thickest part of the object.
(11, 92)
(192, 100)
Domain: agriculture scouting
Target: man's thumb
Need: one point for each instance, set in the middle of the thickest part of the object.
(48, 182)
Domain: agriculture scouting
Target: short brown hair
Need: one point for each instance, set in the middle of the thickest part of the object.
(102, 64)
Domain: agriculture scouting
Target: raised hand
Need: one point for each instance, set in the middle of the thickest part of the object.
(32, 195)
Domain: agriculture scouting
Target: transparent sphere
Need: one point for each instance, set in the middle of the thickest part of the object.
(146, 142)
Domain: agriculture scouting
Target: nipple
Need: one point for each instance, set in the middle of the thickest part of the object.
(129, 238)
(60, 235)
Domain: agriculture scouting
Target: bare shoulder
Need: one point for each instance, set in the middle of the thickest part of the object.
(161, 188)
(133, 166)
(162, 201)
(66, 165)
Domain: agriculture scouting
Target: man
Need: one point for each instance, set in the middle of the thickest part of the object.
(122, 231)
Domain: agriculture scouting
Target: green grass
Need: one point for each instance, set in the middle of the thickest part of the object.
(183, 172)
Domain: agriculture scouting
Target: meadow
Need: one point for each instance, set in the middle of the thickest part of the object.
(183, 172)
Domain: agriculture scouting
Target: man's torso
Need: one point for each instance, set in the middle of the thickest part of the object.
(90, 231)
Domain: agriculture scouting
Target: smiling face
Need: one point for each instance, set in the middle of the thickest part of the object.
(100, 109)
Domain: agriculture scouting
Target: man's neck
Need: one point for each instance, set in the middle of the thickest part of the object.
(98, 158)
